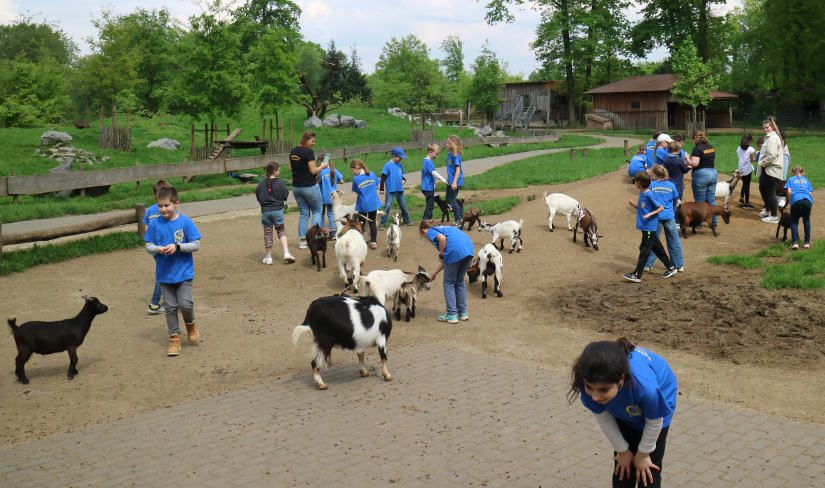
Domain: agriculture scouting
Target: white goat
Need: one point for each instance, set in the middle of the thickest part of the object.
(394, 238)
(509, 229)
(561, 203)
(383, 284)
(351, 251)
(725, 188)
(339, 210)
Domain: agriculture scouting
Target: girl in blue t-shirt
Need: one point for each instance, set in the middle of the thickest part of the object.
(455, 251)
(632, 393)
(455, 175)
(328, 181)
(428, 176)
(365, 186)
(799, 190)
(637, 164)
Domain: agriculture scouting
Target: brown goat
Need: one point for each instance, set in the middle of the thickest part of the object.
(587, 221)
(317, 243)
(470, 216)
(408, 293)
(691, 214)
(81, 124)
(474, 270)
(347, 224)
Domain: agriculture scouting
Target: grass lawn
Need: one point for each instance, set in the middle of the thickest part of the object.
(783, 267)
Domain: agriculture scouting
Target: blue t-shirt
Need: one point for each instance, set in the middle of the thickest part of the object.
(178, 267)
(459, 245)
(801, 188)
(637, 165)
(661, 154)
(667, 194)
(651, 393)
(327, 185)
(366, 187)
(650, 149)
(453, 165)
(427, 178)
(394, 172)
(151, 214)
(647, 203)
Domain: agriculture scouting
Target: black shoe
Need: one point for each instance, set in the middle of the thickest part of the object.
(633, 277)
(670, 272)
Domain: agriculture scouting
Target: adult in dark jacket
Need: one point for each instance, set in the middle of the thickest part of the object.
(304, 187)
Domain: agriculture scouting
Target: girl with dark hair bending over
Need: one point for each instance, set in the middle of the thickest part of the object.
(632, 393)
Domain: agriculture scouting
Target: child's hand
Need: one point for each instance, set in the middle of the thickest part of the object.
(623, 460)
(454, 186)
(643, 466)
(631, 203)
(168, 249)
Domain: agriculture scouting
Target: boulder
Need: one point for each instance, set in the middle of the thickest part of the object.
(65, 166)
(485, 131)
(500, 133)
(331, 120)
(347, 121)
(51, 137)
(165, 143)
(360, 124)
(313, 122)
(396, 112)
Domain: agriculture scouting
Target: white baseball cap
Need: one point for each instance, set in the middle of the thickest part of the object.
(664, 137)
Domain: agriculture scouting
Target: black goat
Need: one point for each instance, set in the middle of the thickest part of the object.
(446, 208)
(317, 243)
(784, 223)
(51, 337)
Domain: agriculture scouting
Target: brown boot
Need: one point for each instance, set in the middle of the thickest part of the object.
(193, 334)
(174, 345)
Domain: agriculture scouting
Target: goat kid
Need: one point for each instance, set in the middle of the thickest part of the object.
(382, 284)
(470, 216)
(488, 262)
(691, 214)
(784, 223)
(317, 243)
(446, 208)
(51, 337)
(590, 229)
(724, 189)
(408, 293)
(349, 323)
(509, 229)
(394, 238)
(351, 251)
(563, 204)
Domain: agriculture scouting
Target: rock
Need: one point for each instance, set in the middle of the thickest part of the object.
(65, 166)
(396, 112)
(347, 121)
(104, 159)
(37, 151)
(438, 123)
(313, 122)
(500, 133)
(52, 137)
(485, 131)
(165, 143)
(360, 124)
(331, 120)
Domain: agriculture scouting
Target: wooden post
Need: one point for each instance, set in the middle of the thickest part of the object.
(14, 197)
(206, 137)
(1, 241)
(192, 143)
(584, 152)
(137, 183)
(460, 120)
(626, 148)
(572, 152)
(114, 115)
(271, 142)
(140, 210)
(101, 118)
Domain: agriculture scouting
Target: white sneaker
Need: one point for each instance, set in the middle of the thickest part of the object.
(288, 258)
(267, 260)
(770, 220)
(681, 269)
(764, 213)
(648, 268)
(781, 202)
(303, 244)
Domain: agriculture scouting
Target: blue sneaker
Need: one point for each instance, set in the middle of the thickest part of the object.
(463, 316)
(450, 318)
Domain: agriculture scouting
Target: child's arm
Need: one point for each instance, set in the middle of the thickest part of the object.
(381, 184)
(651, 214)
(610, 428)
(642, 462)
(153, 249)
(632, 203)
(440, 178)
(442, 245)
(189, 247)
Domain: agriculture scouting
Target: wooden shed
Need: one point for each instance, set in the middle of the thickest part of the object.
(645, 102)
(533, 104)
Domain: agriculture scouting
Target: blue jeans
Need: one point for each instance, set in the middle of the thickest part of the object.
(156, 294)
(704, 187)
(674, 245)
(309, 199)
(455, 290)
(802, 209)
(402, 202)
(452, 199)
(329, 215)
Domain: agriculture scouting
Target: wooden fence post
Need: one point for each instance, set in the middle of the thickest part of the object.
(137, 183)
(14, 197)
(140, 211)
(114, 115)
(1, 241)
(192, 143)
(572, 152)
(626, 148)
(584, 152)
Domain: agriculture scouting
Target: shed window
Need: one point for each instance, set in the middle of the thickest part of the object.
(635, 105)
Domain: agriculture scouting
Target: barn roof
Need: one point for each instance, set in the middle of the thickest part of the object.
(651, 83)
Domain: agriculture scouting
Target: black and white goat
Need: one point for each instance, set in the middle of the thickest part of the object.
(587, 221)
(394, 238)
(488, 262)
(509, 229)
(446, 208)
(349, 323)
(408, 293)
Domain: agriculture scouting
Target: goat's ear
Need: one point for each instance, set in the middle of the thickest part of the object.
(85, 297)
(599, 236)
(421, 269)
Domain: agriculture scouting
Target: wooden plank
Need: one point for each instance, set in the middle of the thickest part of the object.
(4, 187)
(124, 218)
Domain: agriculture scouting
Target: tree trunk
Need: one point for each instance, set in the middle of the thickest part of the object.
(702, 31)
(588, 63)
(568, 61)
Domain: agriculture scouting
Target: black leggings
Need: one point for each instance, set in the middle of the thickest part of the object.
(745, 193)
(651, 242)
(767, 188)
(373, 228)
(633, 437)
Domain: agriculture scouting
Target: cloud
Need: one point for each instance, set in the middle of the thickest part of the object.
(7, 11)
(316, 10)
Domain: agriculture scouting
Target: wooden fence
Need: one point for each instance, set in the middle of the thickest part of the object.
(114, 137)
(47, 183)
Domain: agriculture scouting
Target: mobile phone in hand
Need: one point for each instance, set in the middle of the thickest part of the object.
(326, 158)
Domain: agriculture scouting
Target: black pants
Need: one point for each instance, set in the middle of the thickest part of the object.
(745, 193)
(429, 196)
(633, 437)
(373, 228)
(767, 188)
(651, 242)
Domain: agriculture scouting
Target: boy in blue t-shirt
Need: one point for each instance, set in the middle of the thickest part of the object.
(428, 176)
(637, 163)
(328, 181)
(393, 176)
(172, 238)
(151, 214)
(647, 221)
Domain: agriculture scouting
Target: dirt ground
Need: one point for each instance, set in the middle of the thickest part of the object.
(728, 340)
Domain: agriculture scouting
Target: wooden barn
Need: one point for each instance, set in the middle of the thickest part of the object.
(645, 102)
(533, 104)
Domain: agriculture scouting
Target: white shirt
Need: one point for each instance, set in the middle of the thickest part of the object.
(745, 165)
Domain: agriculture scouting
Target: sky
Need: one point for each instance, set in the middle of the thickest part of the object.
(364, 24)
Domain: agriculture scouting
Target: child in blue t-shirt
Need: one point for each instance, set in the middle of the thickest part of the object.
(455, 251)
(647, 221)
(393, 176)
(667, 194)
(172, 238)
(328, 181)
(650, 149)
(365, 187)
(637, 163)
(428, 176)
(151, 214)
(455, 175)
(798, 190)
(632, 393)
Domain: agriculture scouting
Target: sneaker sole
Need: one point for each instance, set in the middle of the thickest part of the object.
(452, 321)
(464, 318)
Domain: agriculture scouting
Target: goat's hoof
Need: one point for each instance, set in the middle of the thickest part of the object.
(321, 386)
(364, 373)
(387, 377)
(499, 294)
(70, 377)
(24, 381)
(483, 296)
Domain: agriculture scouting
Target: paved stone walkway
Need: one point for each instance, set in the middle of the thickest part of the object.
(449, 418)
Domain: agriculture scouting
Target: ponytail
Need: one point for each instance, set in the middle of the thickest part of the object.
(745, 142)
(271, 169)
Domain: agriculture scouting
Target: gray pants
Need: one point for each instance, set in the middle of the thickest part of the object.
(178, 296)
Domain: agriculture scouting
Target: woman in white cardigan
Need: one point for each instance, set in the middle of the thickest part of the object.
(771, 160)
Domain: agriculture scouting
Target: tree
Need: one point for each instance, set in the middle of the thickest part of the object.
(323, 77)
(453, 62)
(669, 22)
(26, 40)
(485, 85)
(32, 94)
(696, 79)
(271, 70)
(281, 14)
(355, 81)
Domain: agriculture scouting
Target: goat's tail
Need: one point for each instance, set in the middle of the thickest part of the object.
(12, 320)
(520, 223)
(298, 331)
